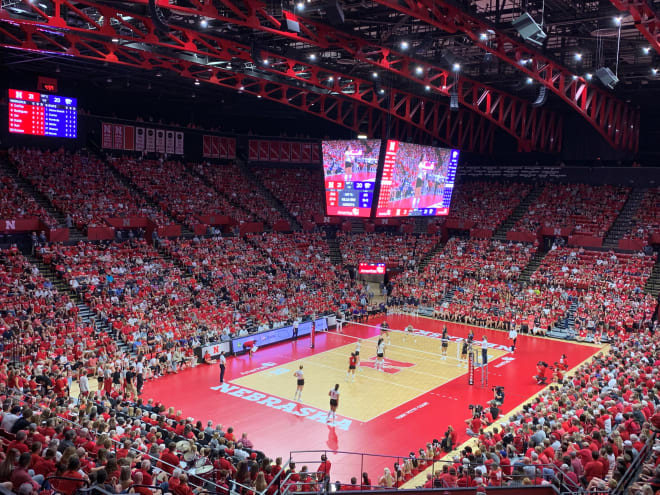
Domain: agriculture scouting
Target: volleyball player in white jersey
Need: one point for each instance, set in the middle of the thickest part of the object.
(380, 354)
(358, 345)
(411, 330)
(334, 402)
(300, 383)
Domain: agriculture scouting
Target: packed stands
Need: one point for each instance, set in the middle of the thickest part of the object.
(584, 209)
(299, 189)
(38, 322)
(396, 250)
(16, 204)
(584, 432)
(606, 286)
(646, 220)
(229, 181)
(82, 187)
(487, 204)
(176, 190)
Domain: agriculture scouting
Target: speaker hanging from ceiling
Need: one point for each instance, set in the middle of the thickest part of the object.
(541, 98)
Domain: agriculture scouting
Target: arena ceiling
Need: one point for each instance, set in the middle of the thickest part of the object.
(453, 72)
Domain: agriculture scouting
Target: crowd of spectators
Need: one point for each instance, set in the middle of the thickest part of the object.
(81, 187)
(15, 204)
(176, 190)
(585, 209)
(475, 281)
(396, 250)
(229, 180)
(581, 433)
(299, 189)
(38, 322)
(487, 204)
(646, 220)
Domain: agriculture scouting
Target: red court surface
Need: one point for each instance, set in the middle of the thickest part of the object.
(278, 426)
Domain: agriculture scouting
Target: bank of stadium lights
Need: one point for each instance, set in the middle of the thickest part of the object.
(203, 23)
(362, 136)
(483, 36)
(529, 80)
(330, 79)
(419, 69)
(381, 91)
(404, 45)
(617, 21)
(646, 50)
(456, 67)
(197, 83)
(578, 56)
(312, 57)
(374, 75)
(427, 87)
(654, 71)
(300, 5)
(588, 76)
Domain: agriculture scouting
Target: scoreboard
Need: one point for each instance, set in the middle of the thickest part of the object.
(40, 114)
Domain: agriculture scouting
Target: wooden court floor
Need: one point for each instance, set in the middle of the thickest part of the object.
(413, 367)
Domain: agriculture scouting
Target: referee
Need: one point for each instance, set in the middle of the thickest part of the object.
(223, 362)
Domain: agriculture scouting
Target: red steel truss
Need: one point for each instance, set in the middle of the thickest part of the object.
(534, 129)
(615, 120)
(347, 103)
(646, 20)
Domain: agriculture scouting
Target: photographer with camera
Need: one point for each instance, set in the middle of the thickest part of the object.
(449, 439)
(475, 423)
(498, 393)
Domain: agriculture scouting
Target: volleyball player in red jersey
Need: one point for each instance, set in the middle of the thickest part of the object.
(352, 363)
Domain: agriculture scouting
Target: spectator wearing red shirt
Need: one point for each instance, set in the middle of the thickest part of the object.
(168, 459)
(323, 472)
(69, 486)
(593, 468)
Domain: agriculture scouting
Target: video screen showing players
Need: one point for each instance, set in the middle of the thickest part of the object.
(350, 176)
(417, 180)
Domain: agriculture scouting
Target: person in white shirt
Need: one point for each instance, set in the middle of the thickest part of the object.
(513, 336)
(334, 402)
(83, 385)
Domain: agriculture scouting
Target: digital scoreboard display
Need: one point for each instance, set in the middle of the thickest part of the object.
(350, 169)
(40, 114)
(417, 180)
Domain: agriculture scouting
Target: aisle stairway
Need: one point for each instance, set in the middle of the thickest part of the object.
(9, 169)
(624, 221)
(429, 256)
(185, 231)
(357, 225)
(87, 315)
(333, 245)
(653, 283)
(270, 197)
(531, 267)
(517, 213)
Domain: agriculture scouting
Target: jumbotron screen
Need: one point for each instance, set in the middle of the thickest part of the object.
(40, 114)
(417, 180)
(350, 176)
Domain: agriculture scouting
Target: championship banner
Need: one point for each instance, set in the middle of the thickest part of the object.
(139, 138)
(107, 135)
(129, 137)
(316, 153)
(253, 150)
(118, 136)
(178, 143)
(169, 142)
(215, 146)
(151, 140)
(222, 147)
(231, 148)
(160, 141)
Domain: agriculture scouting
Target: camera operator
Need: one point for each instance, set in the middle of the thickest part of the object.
(498, 395)
(475, 423)
(492, 413)
(449, 439)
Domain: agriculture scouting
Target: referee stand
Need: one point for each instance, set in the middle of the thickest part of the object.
(476, 361)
